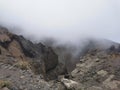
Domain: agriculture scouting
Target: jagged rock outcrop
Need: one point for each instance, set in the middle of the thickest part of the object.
(41, 58)
(38, 52)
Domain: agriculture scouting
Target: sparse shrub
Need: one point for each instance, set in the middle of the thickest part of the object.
(4, 83)
(24, 65)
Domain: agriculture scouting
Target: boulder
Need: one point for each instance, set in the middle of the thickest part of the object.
(69, 84)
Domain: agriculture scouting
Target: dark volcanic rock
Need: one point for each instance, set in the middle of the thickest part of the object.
(39, 52)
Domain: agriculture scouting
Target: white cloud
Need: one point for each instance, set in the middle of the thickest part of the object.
(64, 19)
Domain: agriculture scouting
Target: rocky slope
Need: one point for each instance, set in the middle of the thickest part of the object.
(98, 67)
(15, 47)
(33, 66)
(18, 52)
(98, 70)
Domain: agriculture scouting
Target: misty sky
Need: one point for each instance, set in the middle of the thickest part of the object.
(63, 19)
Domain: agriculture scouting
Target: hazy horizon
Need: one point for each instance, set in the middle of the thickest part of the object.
(63, 19)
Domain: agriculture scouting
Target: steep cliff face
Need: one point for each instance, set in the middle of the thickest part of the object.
(40, 58)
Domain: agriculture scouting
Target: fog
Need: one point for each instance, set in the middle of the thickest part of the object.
(66, 20)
